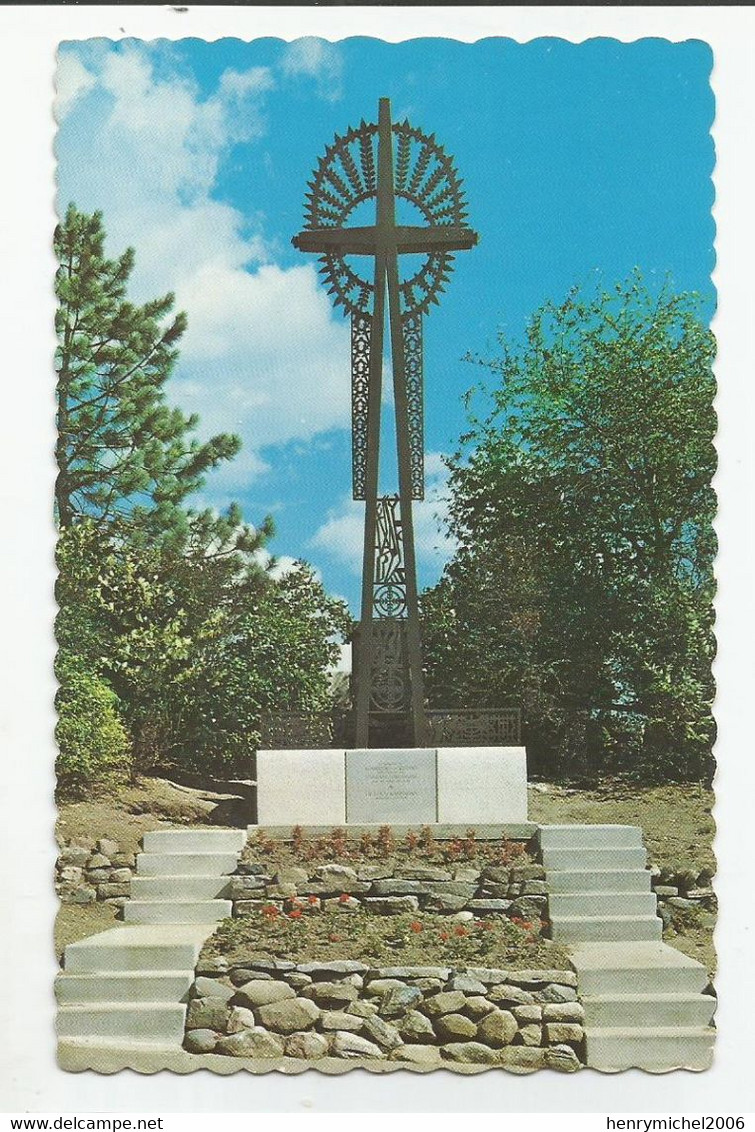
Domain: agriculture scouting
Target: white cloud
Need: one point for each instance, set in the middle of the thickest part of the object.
(316, 59)
(264, 354)
(341, 536)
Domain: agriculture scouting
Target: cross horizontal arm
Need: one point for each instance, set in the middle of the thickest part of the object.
(406, 239)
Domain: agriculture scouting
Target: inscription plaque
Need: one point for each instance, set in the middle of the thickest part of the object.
(384, 786)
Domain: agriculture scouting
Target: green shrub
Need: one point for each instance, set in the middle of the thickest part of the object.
(93, 745)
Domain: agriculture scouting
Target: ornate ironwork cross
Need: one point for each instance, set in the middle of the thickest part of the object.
(385, 163)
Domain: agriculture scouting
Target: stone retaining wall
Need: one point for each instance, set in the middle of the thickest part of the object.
(466, 890)
(101, 871)
(684, 890)
(429, 1016)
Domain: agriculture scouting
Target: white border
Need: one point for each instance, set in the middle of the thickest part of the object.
(29, 1078)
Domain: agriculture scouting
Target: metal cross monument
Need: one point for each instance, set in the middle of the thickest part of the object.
(386, 163)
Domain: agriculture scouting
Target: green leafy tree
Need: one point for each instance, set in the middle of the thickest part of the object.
(124, 455)
(583, 507)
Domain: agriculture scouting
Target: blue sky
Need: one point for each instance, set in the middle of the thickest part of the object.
(580, 162)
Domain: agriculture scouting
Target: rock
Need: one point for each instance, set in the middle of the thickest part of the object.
(423, 872)
(297, 980)
(525, 1014)
(428, 986)
(74, 855)
(416, 1055)
(341, 1020)
(241, 887)
(252, 867)
(83, 894)
(206, 1014)
(124, 861)
(666, 890)
(272, 966)
(337, 879)
(331, 994)
(391, 905)
(558, 1032)
(396, 886)
(333, 967)
(354, 981)
(473, 1052)
(534, 978)
(528, 908)
(289, 1014)
(454, 1028)
(98, 876)
(415, 1027)
(107, 847)
(461, 917)
(556, 993)
(531, 1034)
(336, 904)
(398, 1000)
(120, 876)
(477, 1007)
(98, 861)
(496, 891)
(71, 874)
(409, 973)
(680, 902)
(686, 878)
(564, 1012)
(110, 891)
(498, 874)
(282, 891)
(466, 984)
(262, 992)
(521, 1059)
(291, 874)
(308, 1045)
(468, 873)
(374, 872)
(251, 1043)
(488, 904)
(115, 901)
(497, 1028)
(534, 888)
(378, 987)
(382, 1033)
(239, 1019)
(362, 1009)
(527, 872)
(562, 1058)
(212, 988)
(447, 1002)
(212, 965)
(346, 1044)
(241, 975)
(200, 1041)
(507, 993)
(445, 902)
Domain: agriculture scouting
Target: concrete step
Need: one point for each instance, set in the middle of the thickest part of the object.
(185, 864)
(599, 880)
(657, 1049)
(649, 1010)
(194, 840)
(176, 911)
(584, 857)
(180, 888)
(613, 929)
(597, 836)
(601, 904)
(164, 947)
(646, 967)
(123, 986)
(139, 1022)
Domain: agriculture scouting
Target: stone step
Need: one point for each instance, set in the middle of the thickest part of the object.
(599, 880)
(657, 1049)
(597, 836)
(613, 929)
(176, 911)
(649, 1010)
(123, 986)
(601, 904)
(584, 857)
(163, 947)
(180, 888)
(185, 864)
(139, 1022)
(194, 840)
(646, 967)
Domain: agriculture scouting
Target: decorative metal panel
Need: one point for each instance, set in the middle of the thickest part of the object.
(412, 332)
(361, 335)
(488, 727)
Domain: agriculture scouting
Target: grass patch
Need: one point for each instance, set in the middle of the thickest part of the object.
(409, 939)
(676, 820)
(77, 921)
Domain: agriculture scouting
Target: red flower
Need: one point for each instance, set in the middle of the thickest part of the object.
(295, 914)
(488, 926)
(527, 925)
(344, 898)
(270, 912)
(415, 926)
(334, 937)
(444, 936)
(314, 899)
(460, 930)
